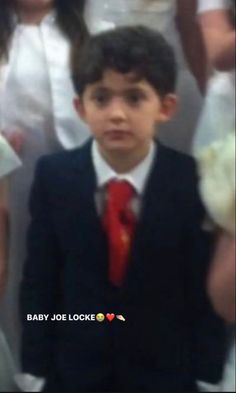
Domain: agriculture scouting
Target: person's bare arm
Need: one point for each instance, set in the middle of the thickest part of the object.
(219, 37)
(221, 280)
(192, 40)
(3, 234)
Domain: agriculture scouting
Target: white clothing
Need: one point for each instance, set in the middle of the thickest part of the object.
(210, 5)
(137, 177)
(228, 381)
(215, 143)
(215, 131)
(29, 383)
(36, 95)
(8, 159)
(218, 116)
(214, 147)
(157, 14)
(217, 184)
(40, 54)
(129, 12)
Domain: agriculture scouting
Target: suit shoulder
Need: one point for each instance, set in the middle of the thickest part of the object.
(182, 176)
(63, 161)
(181, 164)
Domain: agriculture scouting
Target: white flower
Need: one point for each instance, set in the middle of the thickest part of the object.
(217, 181)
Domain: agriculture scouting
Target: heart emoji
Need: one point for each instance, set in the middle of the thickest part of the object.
(110, 317)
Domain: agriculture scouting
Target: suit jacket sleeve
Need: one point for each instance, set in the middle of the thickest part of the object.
(209, 334)
(40, 285)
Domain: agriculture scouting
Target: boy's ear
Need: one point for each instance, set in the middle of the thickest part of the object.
(169, 107)
(79, 107)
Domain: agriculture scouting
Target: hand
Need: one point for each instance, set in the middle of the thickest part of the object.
(16, 138)
(221, 280)
(29, 383)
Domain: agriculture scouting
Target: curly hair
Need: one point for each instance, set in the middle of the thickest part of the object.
(69, 15)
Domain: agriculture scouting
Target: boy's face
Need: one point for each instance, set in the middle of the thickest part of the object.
(123, 113)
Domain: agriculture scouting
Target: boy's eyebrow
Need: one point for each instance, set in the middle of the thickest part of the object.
(105, 89)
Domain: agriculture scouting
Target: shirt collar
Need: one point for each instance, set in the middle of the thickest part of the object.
(137, 176)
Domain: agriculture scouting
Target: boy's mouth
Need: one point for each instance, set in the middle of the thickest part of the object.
(117, 133)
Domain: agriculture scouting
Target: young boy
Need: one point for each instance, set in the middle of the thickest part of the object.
(117, 229)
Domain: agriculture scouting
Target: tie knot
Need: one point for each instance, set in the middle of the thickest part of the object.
(120, 192)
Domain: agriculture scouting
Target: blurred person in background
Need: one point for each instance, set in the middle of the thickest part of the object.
(36, 115)
(177, 22)
(214, 148)
(221, 288)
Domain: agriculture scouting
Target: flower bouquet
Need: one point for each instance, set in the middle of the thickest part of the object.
(216, 164)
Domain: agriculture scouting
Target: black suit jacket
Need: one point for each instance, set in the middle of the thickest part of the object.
(171, 336)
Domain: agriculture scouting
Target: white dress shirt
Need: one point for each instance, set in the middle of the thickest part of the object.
(137, 177)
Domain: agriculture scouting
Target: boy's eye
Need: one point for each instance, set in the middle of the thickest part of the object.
(101, 98)
(134, 98)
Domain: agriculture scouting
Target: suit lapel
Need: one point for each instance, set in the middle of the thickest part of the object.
(157, 224)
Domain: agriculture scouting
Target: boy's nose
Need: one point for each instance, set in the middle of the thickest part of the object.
(117, 112)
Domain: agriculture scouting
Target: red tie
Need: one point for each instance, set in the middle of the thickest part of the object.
(119, 222)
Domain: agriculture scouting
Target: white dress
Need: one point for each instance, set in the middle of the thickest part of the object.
(214, 147)
(218, 115)
(36, 96)
(157, 14)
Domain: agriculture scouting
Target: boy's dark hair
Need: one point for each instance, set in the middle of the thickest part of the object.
(137, 49)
